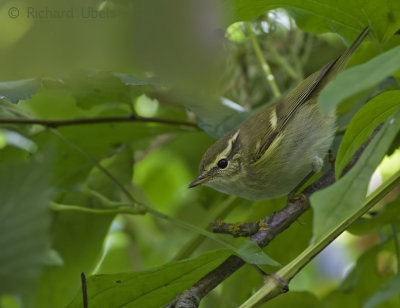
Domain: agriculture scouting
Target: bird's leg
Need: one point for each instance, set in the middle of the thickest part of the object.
(292, 195)
(332, 159)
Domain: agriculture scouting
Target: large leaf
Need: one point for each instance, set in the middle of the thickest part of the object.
(97, 140)
(151, 288)
(341, 16)
(97, 89)
(363, 124)
(78, 236)
(51, 104)
(119, 166)
(70, 167)
(359, 78)
(24, 225)
(339, 201)
(389, 214)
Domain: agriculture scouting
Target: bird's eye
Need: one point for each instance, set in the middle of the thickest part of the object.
(222, 164)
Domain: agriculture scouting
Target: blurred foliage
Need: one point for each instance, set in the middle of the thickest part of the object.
(73, 198)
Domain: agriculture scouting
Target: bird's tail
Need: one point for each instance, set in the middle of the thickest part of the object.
(341, 61)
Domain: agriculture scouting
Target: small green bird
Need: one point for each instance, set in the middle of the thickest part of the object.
(273, 151)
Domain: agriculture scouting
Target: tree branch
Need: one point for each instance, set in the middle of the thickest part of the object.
(98, 120)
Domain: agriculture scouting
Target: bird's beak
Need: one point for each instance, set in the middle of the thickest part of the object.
(200, 180)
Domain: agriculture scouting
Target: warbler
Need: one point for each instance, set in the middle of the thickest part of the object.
(272, 152)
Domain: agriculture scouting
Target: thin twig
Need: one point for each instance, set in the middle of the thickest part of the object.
(121, 210)
(84, 290)
(264, 65)
(97, 120)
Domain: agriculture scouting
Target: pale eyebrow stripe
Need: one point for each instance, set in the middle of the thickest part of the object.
(226, 151)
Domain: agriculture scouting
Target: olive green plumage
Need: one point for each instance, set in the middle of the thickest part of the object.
(271, 152)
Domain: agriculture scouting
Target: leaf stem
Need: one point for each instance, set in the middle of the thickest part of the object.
(264, 65)
(121, 210)
(270, 290)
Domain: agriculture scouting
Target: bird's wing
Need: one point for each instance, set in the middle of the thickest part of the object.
(307, 89)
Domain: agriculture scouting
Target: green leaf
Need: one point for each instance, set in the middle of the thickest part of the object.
(120, 166)
(359, 78)
(117, 257)
(51, 104)
(150, 288)
(19, 89)
(99, 88)
(340, 16)
(389, 289)
(24, 225)
(70, 167)
(97, 140)
(375, 112)
(79, 236)
(253, 254)
(344, 198)
(389, 214)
